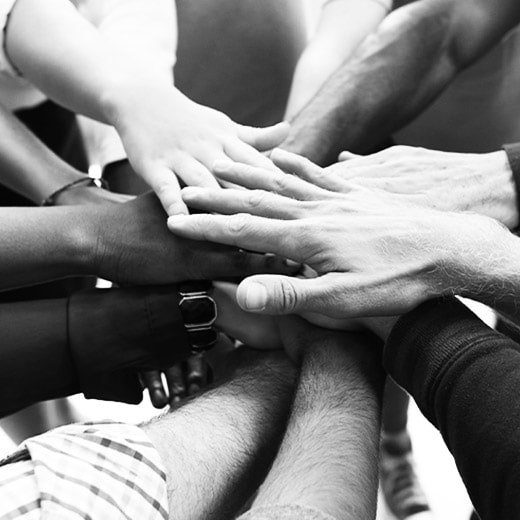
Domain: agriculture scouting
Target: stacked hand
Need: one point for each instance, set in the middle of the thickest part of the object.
(170, 139)
(446, 181)
(374, 255)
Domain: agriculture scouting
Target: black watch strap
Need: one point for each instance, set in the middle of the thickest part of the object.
(199, 312)
(513, 156)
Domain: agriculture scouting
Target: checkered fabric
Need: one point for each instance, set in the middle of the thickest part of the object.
(85, 471)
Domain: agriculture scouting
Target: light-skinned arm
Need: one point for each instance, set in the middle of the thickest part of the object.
(218, 447)
(328, 459)
(396, 72)
(164, 133)
(342, 26)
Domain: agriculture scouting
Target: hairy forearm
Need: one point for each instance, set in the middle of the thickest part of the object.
(394, 75)
(27, 166)
(217, 447)
(331, 444)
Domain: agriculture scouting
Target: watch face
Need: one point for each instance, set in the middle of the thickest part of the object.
(198, 311)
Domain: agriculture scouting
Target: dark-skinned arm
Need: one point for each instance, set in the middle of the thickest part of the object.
(124, 243)
(396, 73)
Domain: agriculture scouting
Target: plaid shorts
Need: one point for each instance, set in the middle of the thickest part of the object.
(90, 471)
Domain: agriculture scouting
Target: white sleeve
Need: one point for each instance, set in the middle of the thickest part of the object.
(6, 7)
(148, 30)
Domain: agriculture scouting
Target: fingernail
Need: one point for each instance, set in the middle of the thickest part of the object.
(291, 263)
(190, 190)
(221, 166)
(255, 297)
(158, 398)
(177, 220)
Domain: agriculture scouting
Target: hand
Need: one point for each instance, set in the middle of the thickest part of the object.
(166, 136)
(131, 244)
(482, 183)
(375, 256)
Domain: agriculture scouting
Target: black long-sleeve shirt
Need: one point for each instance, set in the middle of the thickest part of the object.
(465, 378)
(94, 342)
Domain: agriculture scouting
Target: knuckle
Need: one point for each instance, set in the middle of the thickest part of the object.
(257, 198)
(239, 223)
(280, 182)
(289, 297)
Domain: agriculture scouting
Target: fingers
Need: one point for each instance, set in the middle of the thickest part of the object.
(347, 156)
(194, 173)
(282, 237)
(274, 181)
(236, 264)
(166, 186)
(241, 152)
(336, 295)
(231, 201)
(324, 178)
(153, 382)
(176, 383)
(197, 373)
(264, 138)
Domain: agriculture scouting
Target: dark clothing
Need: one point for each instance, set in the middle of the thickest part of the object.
(94, 342)
(465, 378)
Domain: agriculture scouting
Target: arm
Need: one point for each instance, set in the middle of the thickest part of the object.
(116, 242)
(465, 378)
(32, 170)
(147, 30)
(342, 26)
(218, 447)
(328, 458)
(410, 59)
(164, 133)
(51, 349)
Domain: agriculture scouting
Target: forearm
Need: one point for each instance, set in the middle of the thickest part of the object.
(328, 458)
(68, 59)
(42, 244)
(343, 25)
(27, 166)
(465, 378)
(36, 364)
(217, 447)
(396, 73)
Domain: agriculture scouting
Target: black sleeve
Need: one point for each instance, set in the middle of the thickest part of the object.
(95, 343)
(465, 378)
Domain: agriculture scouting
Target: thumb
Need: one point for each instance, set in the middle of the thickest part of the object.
(276, 294)
(166, 186)
(264, 138)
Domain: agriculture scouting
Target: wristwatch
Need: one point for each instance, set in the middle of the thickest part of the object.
(199, 313)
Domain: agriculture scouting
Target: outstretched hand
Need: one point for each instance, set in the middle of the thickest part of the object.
(374, 255)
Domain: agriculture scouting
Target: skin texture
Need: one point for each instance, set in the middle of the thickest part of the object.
(217, 448)
(374, 256)
(396, 73)
(445, 181)
(124, 243)
(161, 129)
(328, 457)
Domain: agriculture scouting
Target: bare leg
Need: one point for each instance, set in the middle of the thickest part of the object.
(328, 460)
(217, 447)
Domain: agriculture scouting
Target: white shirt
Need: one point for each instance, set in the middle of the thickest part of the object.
(145, 27)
